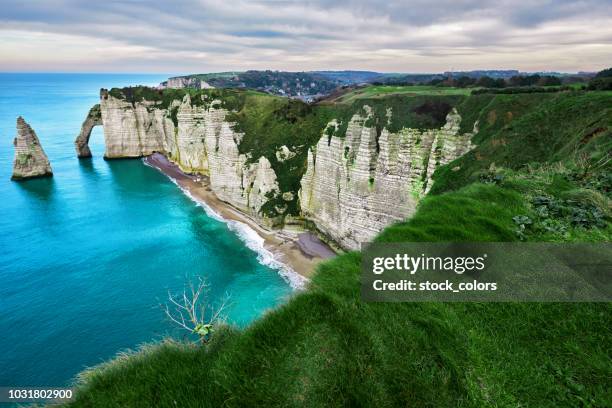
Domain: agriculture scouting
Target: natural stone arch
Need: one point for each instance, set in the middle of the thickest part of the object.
(94, 118)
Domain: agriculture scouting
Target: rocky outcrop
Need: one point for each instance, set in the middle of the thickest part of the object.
(283, 153)
(356, 185)
(94, 118)
(30, 158)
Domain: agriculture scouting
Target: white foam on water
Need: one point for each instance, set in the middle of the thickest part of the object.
(256, 242)
(249, 236)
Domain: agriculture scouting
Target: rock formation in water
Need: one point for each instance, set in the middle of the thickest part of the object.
(356, 185)
(353, 186)
(30, 158)
(94, 118)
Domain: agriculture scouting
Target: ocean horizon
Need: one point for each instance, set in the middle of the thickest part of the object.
(88, 256)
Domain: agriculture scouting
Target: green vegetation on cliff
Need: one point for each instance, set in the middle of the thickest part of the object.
(270, 122)
(396, 111)
(231, 99)
(516, 130)
(540, 172)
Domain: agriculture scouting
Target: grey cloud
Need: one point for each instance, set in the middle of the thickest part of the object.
(324, 32)
(426, 12)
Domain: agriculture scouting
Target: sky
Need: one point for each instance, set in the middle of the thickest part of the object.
(192, 36)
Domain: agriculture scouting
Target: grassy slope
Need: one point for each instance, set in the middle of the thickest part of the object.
(326, 348)
(380, 91)
(519, 129)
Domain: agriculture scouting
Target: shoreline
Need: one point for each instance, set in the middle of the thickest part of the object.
(294, 254)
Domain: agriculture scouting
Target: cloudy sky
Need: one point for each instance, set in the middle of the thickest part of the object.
(186, 36)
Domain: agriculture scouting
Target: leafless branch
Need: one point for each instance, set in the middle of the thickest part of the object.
(188, 310)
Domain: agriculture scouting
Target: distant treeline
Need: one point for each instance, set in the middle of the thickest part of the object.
(488, 82)
(602, 81)
(514, 84)
(522, 89)
(483, 81)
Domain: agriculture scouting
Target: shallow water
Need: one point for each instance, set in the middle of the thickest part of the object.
(87, 256)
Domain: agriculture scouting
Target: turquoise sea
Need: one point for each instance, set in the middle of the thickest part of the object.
(87, 256)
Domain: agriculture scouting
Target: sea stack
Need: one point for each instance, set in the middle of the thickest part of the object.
(30, 158)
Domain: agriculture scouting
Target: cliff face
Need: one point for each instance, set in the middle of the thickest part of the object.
(204, 142)
(131, 130)
(30, 158)
(185, 82)
(356, 185)
(198, 138)
(353, 183)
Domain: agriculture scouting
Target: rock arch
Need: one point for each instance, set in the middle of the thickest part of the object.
(94, 118)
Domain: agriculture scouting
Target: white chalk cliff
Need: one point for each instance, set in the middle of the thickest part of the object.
(353, 187)
(202, 142)
(185, 82)
(131, 130)
(357, 185)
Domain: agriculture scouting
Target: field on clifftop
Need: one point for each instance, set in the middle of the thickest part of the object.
(325, 347)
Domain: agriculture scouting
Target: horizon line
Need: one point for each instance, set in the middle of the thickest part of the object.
(306, 71)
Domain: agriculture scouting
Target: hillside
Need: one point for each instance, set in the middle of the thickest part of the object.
(302, 85)
(539, 171)
(515, 130)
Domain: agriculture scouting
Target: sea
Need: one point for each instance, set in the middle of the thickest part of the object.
(89, 257)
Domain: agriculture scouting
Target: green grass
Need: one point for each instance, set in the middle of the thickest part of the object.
(381, 91)
(516, 130)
